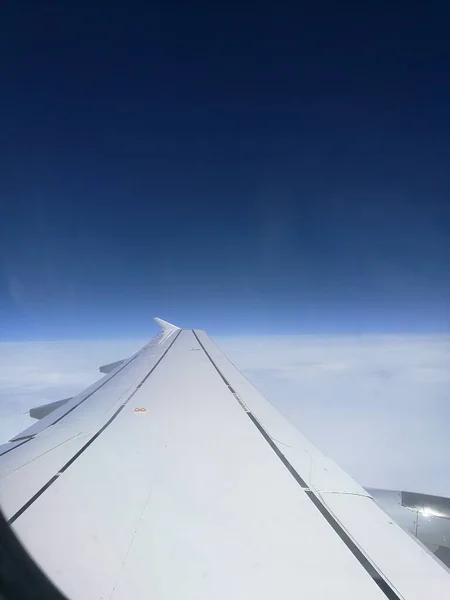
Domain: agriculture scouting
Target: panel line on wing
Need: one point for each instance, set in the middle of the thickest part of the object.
(99, 387)
(102, 383)
(226, 382)
(93, 438)
(24, 441)
(384, 585)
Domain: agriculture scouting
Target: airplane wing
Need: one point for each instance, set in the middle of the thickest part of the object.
(173, 478)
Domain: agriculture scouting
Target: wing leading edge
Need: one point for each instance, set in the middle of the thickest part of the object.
(175, 478)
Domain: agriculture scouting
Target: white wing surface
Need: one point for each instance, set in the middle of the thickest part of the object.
(173, 478)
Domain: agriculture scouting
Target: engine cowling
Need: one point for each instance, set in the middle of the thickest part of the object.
(424, 516)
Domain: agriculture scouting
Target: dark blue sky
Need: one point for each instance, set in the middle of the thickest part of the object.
(259, 167)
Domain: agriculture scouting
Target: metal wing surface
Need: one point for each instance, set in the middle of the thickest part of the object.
(173, 477)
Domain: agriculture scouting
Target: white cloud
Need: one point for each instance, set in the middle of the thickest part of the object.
(35, 373)
(378, 405)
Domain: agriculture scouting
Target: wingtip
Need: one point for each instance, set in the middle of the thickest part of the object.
(165, 325)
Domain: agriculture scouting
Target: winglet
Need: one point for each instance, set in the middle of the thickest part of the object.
(167, 328)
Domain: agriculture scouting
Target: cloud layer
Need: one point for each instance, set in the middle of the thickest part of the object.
(34, 373)
(378, 405)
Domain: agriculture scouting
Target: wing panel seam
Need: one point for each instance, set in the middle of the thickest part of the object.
(22, 442)
(101, 384)
(93, 438)
(384, 585)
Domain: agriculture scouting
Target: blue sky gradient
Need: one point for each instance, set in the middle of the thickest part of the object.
(286, 171)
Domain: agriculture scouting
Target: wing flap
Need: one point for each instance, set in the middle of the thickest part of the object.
(348, 507)
(308, 460)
